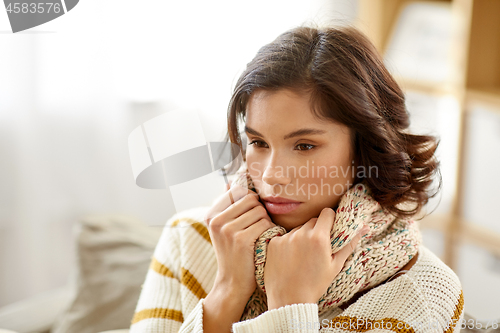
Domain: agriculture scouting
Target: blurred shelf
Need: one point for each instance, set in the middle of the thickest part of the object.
(481, 236)
(377, 18)
(465, 232)
(435, 221)
(475, 57)
(427, 87)
(489, 95)
(483, 65)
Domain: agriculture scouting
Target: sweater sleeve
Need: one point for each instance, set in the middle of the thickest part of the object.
(289, 318)
(160, 308)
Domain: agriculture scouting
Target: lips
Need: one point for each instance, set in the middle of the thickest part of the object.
(278, 205)
(279, 200)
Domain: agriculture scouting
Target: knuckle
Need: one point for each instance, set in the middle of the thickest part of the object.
(212, 229)
(207, 217)
(266, 223)
(225, 231)
(210, 215)
(273, 243)
(248, 197)
(216, 223)
(260, 210)
(239, 238)
(294, 237)
(251, 198)
(316, 238)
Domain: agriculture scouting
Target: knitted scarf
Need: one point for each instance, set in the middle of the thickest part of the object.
(389, 245)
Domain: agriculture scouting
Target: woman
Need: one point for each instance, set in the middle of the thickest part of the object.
(284, 249)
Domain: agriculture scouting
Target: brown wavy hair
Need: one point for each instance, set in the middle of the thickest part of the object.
(348, 83)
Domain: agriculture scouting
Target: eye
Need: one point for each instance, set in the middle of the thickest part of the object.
(256, 143)
(308, 146)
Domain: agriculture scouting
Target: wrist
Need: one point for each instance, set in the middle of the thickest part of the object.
(235, 288)
(228, 295)
(221, 308)
(226, 300)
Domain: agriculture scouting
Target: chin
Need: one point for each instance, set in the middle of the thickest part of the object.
(285, 222)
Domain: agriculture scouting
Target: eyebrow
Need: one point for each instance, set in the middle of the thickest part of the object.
(300, 132)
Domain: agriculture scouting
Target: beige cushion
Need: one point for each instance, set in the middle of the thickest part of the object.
(114, 253)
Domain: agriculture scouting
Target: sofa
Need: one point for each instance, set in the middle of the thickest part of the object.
(113, 253)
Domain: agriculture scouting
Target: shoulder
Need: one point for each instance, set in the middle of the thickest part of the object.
(196, 214)
(188, 230)
(429, 295)
(434, 277)
(176, 226)
(187, 224)
(439, 284)
(185, 236)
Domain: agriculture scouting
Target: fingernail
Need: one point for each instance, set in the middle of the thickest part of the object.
(364, 230)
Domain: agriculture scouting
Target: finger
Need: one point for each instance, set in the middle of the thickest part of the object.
(297, 228)
(232, 194)
(230, 198)
(236, 192)
(228, 185)
(250, 217)
(341, 256)
(256, 229)
(325, 221)
(309, 225)
(242, 206)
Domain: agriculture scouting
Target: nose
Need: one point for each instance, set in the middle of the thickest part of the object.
(275, 174)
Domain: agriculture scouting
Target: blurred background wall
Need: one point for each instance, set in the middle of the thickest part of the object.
(73, 89)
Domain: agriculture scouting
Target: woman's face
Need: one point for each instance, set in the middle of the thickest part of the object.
(293, 155)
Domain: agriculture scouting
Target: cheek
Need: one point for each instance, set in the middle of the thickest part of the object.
(330, 176)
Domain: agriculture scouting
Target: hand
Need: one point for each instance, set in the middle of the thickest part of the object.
(235, 221)
(234, 228)
(300, 266)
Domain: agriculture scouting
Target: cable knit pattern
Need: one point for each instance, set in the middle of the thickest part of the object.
(389, 245)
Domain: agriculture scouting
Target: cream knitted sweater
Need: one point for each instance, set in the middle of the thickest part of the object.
(428, 298)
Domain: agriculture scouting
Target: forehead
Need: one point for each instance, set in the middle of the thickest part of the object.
(282, 107)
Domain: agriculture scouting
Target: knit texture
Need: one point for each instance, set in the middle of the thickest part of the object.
(428, 298)
(390, 244)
